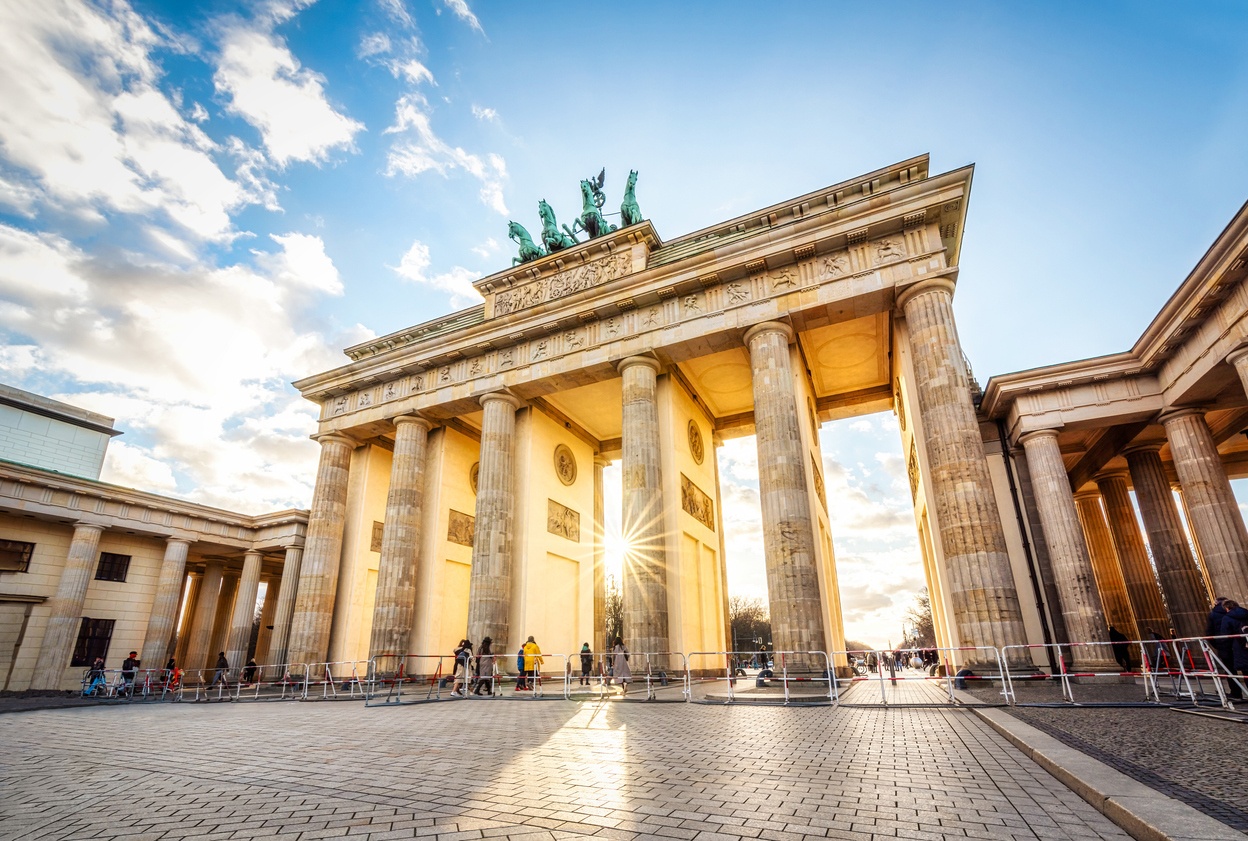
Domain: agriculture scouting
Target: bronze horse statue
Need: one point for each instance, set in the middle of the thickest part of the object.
(630, 212)
(553, 238)
(591, 221)
(529, 250)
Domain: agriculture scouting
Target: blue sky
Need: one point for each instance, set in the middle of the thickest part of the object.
(202, 202)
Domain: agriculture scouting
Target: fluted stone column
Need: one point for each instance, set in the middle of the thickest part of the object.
(395, 606)
(188, 618)
(489, 594)
(1137, 571)
(1180, 580)
(788, 531)
(1072, 566)
(285, 610)
(200, 636)
(267, 611)
(221, 623)
(1213, 513)
(599, 641)
(65, 607)
(244, 614)
(986, 609)
(1177, 489)
(160, 623)
(322, 553)
(645, 560)
(1109, 581)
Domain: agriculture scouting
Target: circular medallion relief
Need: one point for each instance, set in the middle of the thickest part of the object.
(474, 473)
(565, 464)
(696, 448)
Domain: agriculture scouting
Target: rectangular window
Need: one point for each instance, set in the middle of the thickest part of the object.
(112, 567)
(15, 555)
(93, 638)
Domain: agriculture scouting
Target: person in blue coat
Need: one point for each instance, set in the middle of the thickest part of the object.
(1233, 624)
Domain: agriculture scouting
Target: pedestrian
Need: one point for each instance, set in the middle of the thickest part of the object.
(166, 676)
(463, 657)
(94, 681)
(1122, 652)
(587, 663)
(622, 673)
(532, 662)
(1159, 649)
(249, 671)
(129, 671)
(1213, 630)
(485, 668)
(1233, 623)
(521, 682)
(223, 666)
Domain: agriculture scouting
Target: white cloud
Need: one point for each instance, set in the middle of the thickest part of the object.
(198, 113)
(412, 70)
(414, 266)
(265, 84)
(420, 150)
(486, 249)
(398, 12)
(487, 114)
(373, 44)
(461, 10)
(85, 126)
(194, 363)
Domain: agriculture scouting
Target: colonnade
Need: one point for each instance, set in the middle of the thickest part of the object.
(1104, 573)
(985, 604)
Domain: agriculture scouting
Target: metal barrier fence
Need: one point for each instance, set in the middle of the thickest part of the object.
(341, 680)
(722, 677)
(899, 681)
(271, 682)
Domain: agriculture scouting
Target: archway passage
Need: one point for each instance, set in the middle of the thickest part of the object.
(832, 305)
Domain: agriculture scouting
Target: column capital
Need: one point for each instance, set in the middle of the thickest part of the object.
(932, 284)
(172, 539)
(600, 461)
(1167, 415)
(769, 327)
(1090, 493)
(324, 438)
(1037, 433)
(1106, 475)
(1238, 355)
(251, 552)
(83, 525)
(649, 361)
(1147, 446)
(415, 419)
(501, 397)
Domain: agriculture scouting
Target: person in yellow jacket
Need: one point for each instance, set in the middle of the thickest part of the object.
(532, 662)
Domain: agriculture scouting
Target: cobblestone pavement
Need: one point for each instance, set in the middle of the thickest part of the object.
(1197, 760)
(481, 769)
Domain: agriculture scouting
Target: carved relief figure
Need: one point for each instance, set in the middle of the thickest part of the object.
(652, 317)
(565, 464)
(365, 399)
(814, 466)
(390, 392)
(563, 521)
(506, 357)
(340, 405)
(540, 349)
(696, 503)
(461, 528)
(474, 475)
(573, 339)
(696, 448)
(564, 283)
(737, 292)
(784, 279)
(444, 376)
(691, 304)
(613, 326)
(835, 265)
(474, 367)
(888, 249)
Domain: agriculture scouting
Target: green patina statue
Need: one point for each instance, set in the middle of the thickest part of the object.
(630, 212)
(591, 221)
(529, 250)
(553, 238)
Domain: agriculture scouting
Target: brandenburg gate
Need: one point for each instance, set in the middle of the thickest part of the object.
(459, 489)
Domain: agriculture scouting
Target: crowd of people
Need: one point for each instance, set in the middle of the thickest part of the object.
(477, 673)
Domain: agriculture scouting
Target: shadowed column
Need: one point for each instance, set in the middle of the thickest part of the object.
(489, 595)
(1072, 567)
(1105, 566)
(286, 592)
(1213, 513)
(322, 552)
(1180, 580)
(788, 531)
(395, 606)
(200, 635)
(986, 609)
(244, 615)
(1137, 571)
(599, 641)
(188, 618)
(65, 607)
(645, 561)
(165, 605)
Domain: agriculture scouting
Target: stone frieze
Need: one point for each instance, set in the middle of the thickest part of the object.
(564, 283)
